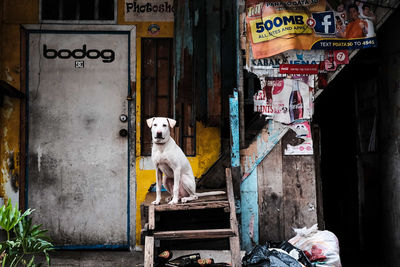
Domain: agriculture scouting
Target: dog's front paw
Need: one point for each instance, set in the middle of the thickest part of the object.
(173, 201)
(156, 202)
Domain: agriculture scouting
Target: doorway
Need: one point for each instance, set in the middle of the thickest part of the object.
(347, 113)
(79, 177)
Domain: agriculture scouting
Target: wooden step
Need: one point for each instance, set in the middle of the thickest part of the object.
(193, 234)
(226, 202)
(194, 206)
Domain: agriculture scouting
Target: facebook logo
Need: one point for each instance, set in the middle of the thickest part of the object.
(324, 22)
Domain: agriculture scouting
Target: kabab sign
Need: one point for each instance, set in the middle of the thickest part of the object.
(149, 10)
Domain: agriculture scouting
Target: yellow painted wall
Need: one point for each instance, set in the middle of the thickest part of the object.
(14, 13)
(18, 12)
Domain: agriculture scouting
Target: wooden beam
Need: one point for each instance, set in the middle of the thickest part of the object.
(152, 220)
(149, 251)
(234, 242)
(270, 196)
(193, 206)
(9, 90)
(194, 234)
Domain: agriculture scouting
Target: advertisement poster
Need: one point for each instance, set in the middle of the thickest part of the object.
(278, 26)
(303, 131)
(285, 100)
(298, 69)
(287, 57)
(333, 58)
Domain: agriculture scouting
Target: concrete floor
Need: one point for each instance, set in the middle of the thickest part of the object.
(96, 258)
(120, 258)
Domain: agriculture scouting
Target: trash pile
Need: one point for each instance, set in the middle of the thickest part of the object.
(190, 260)
(309, 248)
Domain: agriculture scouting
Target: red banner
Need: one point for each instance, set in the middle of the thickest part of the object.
(298, 68)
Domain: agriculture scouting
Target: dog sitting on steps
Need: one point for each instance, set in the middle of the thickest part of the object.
(173, 169)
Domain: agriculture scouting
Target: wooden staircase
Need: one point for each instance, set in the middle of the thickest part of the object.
(207, 204)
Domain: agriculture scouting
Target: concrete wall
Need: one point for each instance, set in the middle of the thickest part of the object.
(17, 12)
(389, 42)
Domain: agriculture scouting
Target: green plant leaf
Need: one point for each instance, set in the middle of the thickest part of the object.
(29, 239)
(31, 262)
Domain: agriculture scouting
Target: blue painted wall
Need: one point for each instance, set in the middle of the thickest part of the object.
(249, 209)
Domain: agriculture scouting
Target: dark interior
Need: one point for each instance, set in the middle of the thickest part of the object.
(349, 142)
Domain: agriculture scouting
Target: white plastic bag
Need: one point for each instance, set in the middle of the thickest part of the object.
(321, 247)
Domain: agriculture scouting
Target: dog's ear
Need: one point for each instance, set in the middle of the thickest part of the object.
(171, 122)
(150, 122)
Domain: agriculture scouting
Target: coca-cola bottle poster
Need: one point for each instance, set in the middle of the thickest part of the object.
(291, 100)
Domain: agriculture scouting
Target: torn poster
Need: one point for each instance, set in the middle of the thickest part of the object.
(303, 131)
(284, 100)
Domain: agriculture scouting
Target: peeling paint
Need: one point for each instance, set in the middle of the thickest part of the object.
(249, 208)
(262, 146)
(9, 183)
(234, 121)
(8, 75)
(251, 228)
(8, 108)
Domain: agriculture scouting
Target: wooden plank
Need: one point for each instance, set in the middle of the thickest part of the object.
(194, 234)
(199, 60)
(270, 196)
(299, 191)
(193, 206)
(213, 44)
(151, 196)
(152, 220)
(149, 251)
(231, 199)
(234, 242)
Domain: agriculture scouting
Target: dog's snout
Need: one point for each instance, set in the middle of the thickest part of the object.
(159, 135)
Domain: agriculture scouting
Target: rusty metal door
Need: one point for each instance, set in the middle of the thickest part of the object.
(79, 136)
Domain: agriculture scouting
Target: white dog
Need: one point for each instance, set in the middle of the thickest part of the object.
(169, 159)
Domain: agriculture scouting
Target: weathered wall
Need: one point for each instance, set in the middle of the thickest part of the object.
(389, 40)
(14, 13)
(17, 12)
(278, 192)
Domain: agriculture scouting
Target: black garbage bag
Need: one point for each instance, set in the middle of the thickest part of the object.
(262, 256)
(289, 248)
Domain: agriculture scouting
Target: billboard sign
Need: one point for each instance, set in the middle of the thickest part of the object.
(278, 26)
